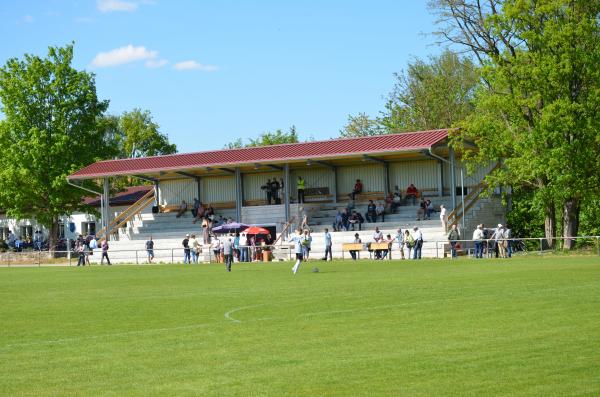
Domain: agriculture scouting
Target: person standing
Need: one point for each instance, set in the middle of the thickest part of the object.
(236, 247)
(228, 253)
(300, 186)
(378, 238)
(508, 241)
(297, 240)
(275, 191)
(409, 243)
(245, 248)
(453, 238)
(306, 242)
(216, 248)
(186, 248)
(478, 239)
(443, 218)
(194, 248)
(328, 244)
(418, 236)
(400, 239)
(80, 253)
(150, 249)
(267, 188)
(371, 212)
(104, 247)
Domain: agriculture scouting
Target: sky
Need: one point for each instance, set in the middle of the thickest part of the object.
(214, 71)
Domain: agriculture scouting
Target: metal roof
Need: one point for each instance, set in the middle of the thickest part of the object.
(344, 147)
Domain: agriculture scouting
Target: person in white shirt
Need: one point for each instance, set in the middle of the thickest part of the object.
(378, 238)
(297, 240)
(418, 236)
(443, 218)
(328, 244)
(215, 245)
(400, 239)
(306, 243)
(478, 239)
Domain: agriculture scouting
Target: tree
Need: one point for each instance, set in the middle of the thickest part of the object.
(537, 110)
(266, 139)
(431, 95)
(361, 125)
(51, 129)
(140, 136)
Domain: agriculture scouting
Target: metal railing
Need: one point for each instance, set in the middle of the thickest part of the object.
(140, 256)
(522, 246)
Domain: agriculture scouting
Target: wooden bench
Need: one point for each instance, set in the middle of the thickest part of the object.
(383, 247)
(253, 203)
(364, 197)
(352, 247)
(217, 206)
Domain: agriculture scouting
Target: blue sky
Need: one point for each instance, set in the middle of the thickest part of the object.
(213, 71)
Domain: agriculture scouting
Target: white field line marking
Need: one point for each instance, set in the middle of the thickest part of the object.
(237, 309)
(107, 335)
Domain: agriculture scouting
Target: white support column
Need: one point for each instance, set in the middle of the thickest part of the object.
(286, 189)
(440, 178)
(106, 214)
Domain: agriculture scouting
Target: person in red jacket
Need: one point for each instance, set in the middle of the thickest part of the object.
(412, 191)
(358, 188)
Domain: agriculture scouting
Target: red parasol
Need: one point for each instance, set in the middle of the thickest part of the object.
(256, 230)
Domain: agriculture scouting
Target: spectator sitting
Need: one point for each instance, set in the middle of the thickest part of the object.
(371, 212)
(356, 241)
(346, 219)
(388, 239)
(350, 205)
(397, 191)
(388, 202)
(422, 211)
(412, 191)
(182, 208)
(358, 188)
(380, 210)
(430, 208)
(199, 213)
(396, 201)
(337, 223)
(195, 207)
(356, 219)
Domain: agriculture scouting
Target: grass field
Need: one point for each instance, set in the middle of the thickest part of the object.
(526, 326)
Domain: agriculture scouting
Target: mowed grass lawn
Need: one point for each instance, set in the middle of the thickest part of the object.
(526, 326)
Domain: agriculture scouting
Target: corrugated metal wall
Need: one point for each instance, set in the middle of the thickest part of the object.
(371, 176)
(313, 177)
(252, 183)
(470, 179)
(173, 191)
(217, 189)
(423, 174)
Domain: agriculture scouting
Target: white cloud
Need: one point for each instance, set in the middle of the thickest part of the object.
(156, 63)
(120, 5)
(123, 55)
(193, 65)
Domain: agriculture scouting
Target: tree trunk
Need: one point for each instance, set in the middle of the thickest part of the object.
(53, 237)
(571, 209)
(550, 224)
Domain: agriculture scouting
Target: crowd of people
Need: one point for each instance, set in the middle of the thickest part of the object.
(19, 243)
(489, 243)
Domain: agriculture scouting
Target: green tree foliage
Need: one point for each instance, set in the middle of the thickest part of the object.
(140, 136)
(431, 95)
(51, 128)
(361, 125)
(538, 109)
(266, 139)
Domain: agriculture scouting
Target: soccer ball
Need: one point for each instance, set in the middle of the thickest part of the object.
(315, 269)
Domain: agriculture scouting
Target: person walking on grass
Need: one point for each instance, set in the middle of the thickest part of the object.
(104, 247)
(418, 236)
(306, 243)
(409, 243)
(228, 253)
(327, 236)
(150, 249)
(478, 238)
(195, 248)
(453, 237)
(297, 240)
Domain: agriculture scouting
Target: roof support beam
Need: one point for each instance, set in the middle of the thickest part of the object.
(186, 174)
(146, 178)
(275, 167)
(374, 159)
(228, 170)
(325, 164)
